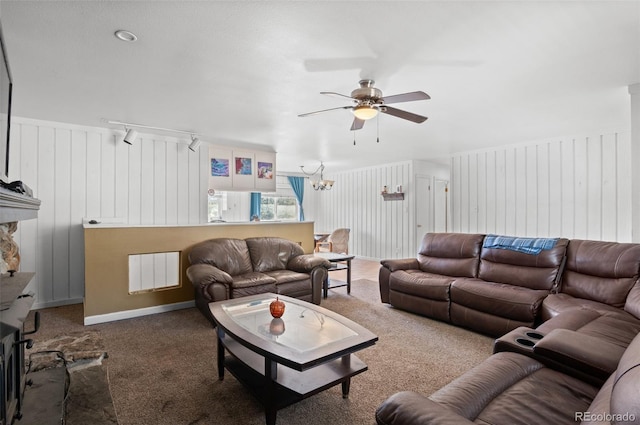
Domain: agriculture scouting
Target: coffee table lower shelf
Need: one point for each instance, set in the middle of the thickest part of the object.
(290, 385)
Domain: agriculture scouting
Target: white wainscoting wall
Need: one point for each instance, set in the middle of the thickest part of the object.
(573, 187)
(80, 172)
(379, 229)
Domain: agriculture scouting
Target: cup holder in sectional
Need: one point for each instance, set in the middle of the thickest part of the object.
(534, 335)
(525, 342)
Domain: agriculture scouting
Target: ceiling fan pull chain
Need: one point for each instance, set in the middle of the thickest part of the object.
(354, 138)
(378, 129)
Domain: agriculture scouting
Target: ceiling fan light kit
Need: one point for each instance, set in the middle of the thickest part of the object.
(365, 112)
(368, 101)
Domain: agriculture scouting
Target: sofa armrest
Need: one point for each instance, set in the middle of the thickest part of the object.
(306, 263)
(401, 264)
(408, 407)
(205, 274)
(578, 351)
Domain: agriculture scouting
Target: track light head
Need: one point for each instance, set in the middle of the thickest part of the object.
(130, 137)
(195, 143)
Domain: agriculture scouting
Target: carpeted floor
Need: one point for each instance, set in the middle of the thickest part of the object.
(162, 368)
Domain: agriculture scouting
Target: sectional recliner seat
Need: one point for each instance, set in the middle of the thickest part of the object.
(514, 389)
(458, 280)
(589, 287)
(599, 295)
(581, 363)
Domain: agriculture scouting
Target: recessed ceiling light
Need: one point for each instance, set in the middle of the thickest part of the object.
(125, 35)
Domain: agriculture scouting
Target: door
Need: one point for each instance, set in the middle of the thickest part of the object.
(441, 206)
(423, 208)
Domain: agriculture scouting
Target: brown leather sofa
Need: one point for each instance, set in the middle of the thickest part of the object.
(581, 361)
(511, 388)
(457, 280)
(599, 294)
(227, 268)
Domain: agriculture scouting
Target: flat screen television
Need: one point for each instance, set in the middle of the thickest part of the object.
(6, 86)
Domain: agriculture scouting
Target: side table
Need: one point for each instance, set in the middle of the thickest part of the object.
(338, 262)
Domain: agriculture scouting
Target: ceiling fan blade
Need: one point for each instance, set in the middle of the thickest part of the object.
(331, 93)
(403, 114)
(324, 110)
(406, 97)
(357, 124)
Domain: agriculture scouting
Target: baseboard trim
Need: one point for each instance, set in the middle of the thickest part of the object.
(48, 304)
(130, 314)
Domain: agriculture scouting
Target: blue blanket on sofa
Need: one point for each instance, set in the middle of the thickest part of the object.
(524, 245)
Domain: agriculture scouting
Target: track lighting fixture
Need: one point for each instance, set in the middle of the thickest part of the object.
(132, 134)
(195, 143)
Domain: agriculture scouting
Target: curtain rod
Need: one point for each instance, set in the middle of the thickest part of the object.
(152, 127)
(290, 175)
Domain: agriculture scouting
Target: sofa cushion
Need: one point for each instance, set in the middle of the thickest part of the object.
(614, 325)
(626, 387)
(499, 299)
(619, 394)
(251, 284)
(510, 388)
(268, 253)
(555, 304)
(229, 255)
(601, 271)
(425, 285)
(538, 271)
(286, 276)
(450, 254)
(252, 279)
(632, 304)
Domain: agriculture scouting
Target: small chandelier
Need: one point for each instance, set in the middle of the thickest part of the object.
(321, 184)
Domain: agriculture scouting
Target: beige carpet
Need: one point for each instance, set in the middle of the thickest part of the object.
(162, 368)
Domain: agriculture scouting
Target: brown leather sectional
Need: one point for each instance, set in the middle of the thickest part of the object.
(567, 319)
(225, 268)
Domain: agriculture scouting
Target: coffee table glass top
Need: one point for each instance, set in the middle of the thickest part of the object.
(334, 256)
(303, 327)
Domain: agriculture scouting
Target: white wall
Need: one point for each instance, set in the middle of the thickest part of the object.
(536, 189)
(574, 187)
(379, 229)
(89, 172)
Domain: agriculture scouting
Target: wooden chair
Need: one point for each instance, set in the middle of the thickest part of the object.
(338, 241)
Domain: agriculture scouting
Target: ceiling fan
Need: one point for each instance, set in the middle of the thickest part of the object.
(368, 101)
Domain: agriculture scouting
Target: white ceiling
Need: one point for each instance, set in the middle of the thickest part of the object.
(241, 71)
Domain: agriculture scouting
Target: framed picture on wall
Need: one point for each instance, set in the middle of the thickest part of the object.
(219, 167)
(265, 170)
(243, 166)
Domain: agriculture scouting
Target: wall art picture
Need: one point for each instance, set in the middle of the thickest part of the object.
(243, 166)
(219, 167)
(265, 170)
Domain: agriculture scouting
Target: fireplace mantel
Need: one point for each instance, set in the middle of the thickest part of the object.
(16, 206)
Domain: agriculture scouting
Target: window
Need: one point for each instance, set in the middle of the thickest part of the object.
(278, 207)
(217, 204)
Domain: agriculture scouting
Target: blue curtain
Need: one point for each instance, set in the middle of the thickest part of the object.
(256, 199)
(297, 183)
